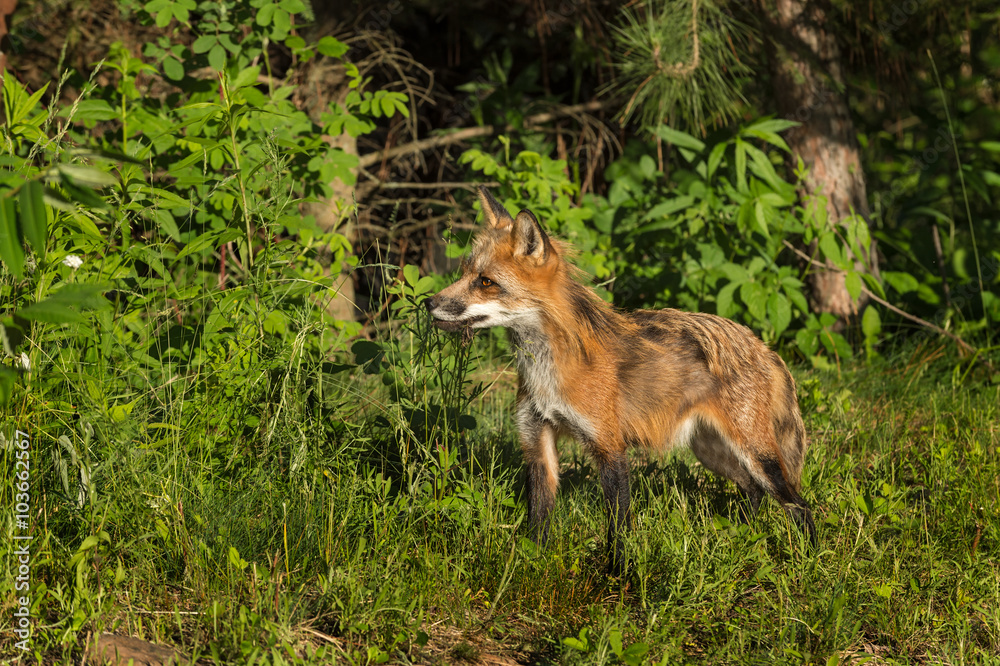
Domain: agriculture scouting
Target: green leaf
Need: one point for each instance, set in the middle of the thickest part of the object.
(282, 24)
(330, 47)
(247, 77)
(266, 14)
(807, 341)
(11, 251)
(852, 282)
(871, 322)
(204, 43)
(91, 109)
(772, 125)
(779, 312)
(217, 57)
(741, 166)
(753, 296)
(34, 216)
(831, 250)
(901, 282)
(715, 158)
(873, 285)
(724, 300)
(7, 378)
(173, 69)
(412, 274)
(761, 218)
(679, 138)
(64, 306)
(86, 176)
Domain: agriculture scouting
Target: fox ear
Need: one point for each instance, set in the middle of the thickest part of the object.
(530, 240)
(496, 215)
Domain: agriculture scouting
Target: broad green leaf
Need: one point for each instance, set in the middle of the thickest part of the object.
(51, 312)
(11, 251)
(679, 138)
(769, 137)
(871, 322)
(761, 165)
(807, 341)
(779, 312)
(761, 218)
(330, 47)
(86, 176)
(830, 247)
(7, 378)
(411, 273)
(715, 158)
(771, 125)
(217, 57)
(901, 282)
(91, 109)
(173, 69)
(204, 43)
(34, 217)
(724, 300)
(735, 272)
(741, 166)
(266, 14)
(852, 282)
(246, 77)
(753, 296)
(874, 285)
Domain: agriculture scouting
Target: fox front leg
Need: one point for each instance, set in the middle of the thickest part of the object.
(538, 442)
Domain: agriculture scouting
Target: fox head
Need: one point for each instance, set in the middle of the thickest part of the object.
(511, 264)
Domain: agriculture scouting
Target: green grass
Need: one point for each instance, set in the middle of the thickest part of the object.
(329, 540)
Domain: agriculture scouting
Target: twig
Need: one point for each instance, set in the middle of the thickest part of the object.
(939, 255)
(428, 186)
(472, 132)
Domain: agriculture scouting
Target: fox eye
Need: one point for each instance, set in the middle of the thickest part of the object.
(485, 281)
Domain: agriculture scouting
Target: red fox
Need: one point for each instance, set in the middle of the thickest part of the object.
(614, 380)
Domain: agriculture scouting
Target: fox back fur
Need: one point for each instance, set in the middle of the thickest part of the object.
(615, 380)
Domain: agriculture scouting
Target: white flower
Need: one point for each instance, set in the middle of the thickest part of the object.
(72, 261)
(22, 362)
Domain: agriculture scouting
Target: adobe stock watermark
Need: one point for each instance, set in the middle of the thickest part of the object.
(377, 19)
(21, 560)
(901, 13)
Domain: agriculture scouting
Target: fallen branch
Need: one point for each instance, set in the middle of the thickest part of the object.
(472, 132)
(962, 344)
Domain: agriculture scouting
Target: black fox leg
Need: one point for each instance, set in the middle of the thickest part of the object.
(614, 482)
(752, 495)
(797, 508)
(542, 461)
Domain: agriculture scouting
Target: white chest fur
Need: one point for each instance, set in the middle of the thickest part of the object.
(543, 396)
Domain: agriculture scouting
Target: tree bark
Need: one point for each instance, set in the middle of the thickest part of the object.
(809, 88)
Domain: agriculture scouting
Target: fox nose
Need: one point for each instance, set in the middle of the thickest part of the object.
(431, 303)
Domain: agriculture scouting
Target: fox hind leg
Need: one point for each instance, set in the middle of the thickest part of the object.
(754, 477)
(796, 507)
(717, 454)
(614, 475)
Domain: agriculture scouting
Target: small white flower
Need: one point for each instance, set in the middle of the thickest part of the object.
(72, 261)
(22, 362)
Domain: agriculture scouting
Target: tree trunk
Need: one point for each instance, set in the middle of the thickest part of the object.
(328, 83)
(809, 88)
